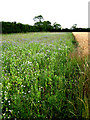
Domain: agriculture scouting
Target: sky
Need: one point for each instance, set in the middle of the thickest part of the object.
(64, 12)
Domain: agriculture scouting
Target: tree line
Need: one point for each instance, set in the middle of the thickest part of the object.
(39, 26)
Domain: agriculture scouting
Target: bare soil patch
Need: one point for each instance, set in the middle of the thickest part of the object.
(82, 39)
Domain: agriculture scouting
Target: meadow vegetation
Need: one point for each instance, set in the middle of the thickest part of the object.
(40, 79)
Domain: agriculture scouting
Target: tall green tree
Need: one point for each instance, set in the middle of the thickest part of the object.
(56, 26)
(38, 18)
(74, 26)
(47, 26)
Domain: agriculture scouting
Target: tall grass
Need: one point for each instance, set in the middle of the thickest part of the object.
(40, 79)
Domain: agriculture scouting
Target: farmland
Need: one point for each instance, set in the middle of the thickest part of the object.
(82, 38)
(40, 79)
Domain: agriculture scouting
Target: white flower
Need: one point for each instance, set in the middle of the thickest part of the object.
(21, 85)
(29, 91)
(5, 92)
(0, 83)
(29, 62)
(10, 110)
(4, 114)
(59, 48)
(5, 98)
(6, 87)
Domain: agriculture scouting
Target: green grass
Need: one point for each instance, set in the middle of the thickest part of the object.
(40, 80)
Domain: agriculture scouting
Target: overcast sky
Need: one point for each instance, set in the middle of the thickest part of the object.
(64, 12)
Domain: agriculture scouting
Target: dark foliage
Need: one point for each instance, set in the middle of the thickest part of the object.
(13, 27)
(39, 26)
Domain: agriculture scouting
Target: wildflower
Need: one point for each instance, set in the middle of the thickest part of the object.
(14, 55)
(59, 48)
(9, 116)
(29, 62)
(30, 42)
(37, 53)
(21, 85)
(5, 74)
(6, 87)
(4, 114)
(5, 98)
(10, 110)
(29, 91)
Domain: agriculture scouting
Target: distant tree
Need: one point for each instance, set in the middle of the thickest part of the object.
(13, 27)
(47, 26)
(38, 18)
(56, 26)
(38, 24)
(65, 30)
(43, 26)
(74, 26)
(48, 23)
(14, 22)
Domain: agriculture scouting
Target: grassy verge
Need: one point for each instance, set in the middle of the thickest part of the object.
(40, 79)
